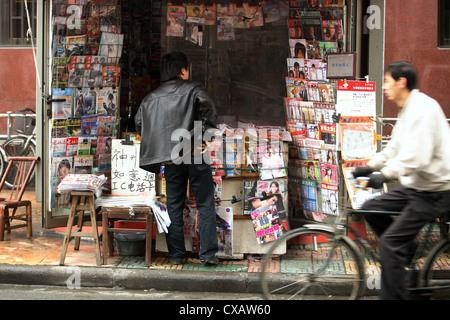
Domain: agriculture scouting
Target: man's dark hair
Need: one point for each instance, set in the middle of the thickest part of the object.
(171, 65)
(405, 70)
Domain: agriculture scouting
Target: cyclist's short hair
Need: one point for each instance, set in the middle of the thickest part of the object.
(405, 70)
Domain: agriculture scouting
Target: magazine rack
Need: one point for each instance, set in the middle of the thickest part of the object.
(81, 201)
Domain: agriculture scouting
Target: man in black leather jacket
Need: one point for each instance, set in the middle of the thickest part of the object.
(172, 108)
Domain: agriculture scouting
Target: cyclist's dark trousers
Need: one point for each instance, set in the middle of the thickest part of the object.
(202, 185)
(397, 234)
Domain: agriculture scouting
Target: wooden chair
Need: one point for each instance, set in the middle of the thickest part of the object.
(25, 167)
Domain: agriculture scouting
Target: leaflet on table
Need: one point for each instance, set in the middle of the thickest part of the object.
(357, 188)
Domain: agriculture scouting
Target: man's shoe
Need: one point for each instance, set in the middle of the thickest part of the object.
(175, 262)
(211, 262)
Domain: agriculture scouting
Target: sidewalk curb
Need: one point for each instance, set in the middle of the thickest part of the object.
(131, 279)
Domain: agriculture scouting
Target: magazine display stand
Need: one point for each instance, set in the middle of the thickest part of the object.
(86, 75)
(314, 179)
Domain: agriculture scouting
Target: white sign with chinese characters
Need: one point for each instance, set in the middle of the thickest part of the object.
(127, 179)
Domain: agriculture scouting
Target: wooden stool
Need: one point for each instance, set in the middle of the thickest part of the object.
(81, 200)
(124, 213)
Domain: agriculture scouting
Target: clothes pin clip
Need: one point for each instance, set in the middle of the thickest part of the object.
(367, 78)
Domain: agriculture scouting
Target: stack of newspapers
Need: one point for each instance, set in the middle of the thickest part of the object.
(82, 182)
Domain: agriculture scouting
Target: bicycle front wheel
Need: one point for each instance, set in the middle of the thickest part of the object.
(435, 275)
(18, 147)
(317, 265)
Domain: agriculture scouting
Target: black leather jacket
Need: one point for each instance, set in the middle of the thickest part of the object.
(176, 104)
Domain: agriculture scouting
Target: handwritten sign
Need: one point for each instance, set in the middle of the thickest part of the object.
(126, 176)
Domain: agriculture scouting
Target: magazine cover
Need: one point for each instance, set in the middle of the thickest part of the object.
(258, 194)
(62, 109)
(324, 112)
(106, 126)
(295, 29)
(296, 68)
(307, 111)
(83, 164)
(297, 48)
(270, 162)
(89, 125)
(311, 200)
(312, 25)
(84, 146)
(111, 45)
(190, 217)
(313, 91)
(176, 17)
(314, 69)
(74, 126)
(85, 100)
(225, 29)
(329, 173)
(93, 71)
(267, 224)
(59, 128)
(111, 76)
(327, 133)
(329, 154)
(194, 27)
(107, 101)
(296, 88)
(76, 71)
(76, 27)
(71, 146)
(60, 71)
(61, 166)
(224, 223)
(311, 170)
(58, 147)
(73, 46)
(332, 30)
(357, 188)
(330, 199)
(293, 109)
(271, 10)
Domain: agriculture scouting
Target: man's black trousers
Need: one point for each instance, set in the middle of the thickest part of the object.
(397, 234)
(202, 185)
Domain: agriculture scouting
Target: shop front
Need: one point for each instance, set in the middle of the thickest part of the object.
(267, 66)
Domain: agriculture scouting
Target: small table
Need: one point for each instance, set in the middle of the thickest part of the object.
(126, 213)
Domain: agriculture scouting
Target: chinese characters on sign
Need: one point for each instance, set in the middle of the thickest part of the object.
(126, 176)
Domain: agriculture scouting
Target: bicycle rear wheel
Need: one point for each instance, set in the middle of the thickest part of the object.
(435, 275)
(18, 147)
(316, 266)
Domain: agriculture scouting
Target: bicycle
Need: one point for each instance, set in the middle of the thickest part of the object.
(329, 263)
(22, 145)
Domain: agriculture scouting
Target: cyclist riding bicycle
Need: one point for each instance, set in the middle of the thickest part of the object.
(417, 155)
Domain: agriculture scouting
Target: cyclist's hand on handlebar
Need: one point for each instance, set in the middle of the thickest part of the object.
(376, 181)
(362, 172)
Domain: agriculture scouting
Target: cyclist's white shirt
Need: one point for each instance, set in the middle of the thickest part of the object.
(418, 153)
